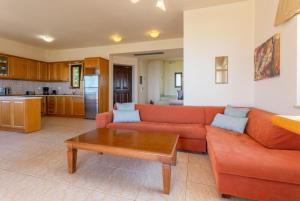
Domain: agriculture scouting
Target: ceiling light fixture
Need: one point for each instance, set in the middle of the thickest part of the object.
(117, 38)
(154, 33)
(46, 38)
(161, 5)
(135, 1)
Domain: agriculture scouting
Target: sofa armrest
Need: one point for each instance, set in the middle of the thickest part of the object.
(103, 119)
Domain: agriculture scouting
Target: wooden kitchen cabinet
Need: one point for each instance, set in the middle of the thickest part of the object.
(32, 70)
(59, 71)
(60, 105)
(6, 118)
(69, 106)
(92, 62)
(43, 71)
(64, 71)
(22, 114)
(19, 114)
(18, 68)
(78, 106)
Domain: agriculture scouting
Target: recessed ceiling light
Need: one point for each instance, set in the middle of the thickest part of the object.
(161, 5)
(46, 38)
(135, 1)
(117, 38)
(154, 33)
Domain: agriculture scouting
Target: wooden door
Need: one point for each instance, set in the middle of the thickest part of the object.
(19, 114)
(18, 68)
(6, 114)
(64, 71)
(32, 70)
(122, 84)
(43, 71)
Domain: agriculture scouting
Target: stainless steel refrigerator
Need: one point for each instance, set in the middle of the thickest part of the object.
(91, 92)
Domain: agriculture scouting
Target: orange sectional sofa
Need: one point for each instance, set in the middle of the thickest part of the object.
(262, 164)
(188, 121)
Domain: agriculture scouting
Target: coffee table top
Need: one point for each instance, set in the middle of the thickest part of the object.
(162, 143)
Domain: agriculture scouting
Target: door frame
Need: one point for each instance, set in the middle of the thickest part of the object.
(132, 80)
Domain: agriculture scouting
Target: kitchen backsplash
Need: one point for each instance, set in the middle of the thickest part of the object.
(20, 87)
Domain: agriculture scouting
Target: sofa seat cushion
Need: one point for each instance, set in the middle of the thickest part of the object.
(195, 131)
(240, 155)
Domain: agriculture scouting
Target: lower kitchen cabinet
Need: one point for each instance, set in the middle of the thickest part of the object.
(69, 106)
(20, 114)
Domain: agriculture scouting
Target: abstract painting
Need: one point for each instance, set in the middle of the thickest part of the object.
(267, 59)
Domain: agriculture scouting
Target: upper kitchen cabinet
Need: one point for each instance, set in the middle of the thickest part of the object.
(32, 70)
(18, 68)
(43, 71)
(92, 62)
(64, 71)
(4, 69)
(58, 71)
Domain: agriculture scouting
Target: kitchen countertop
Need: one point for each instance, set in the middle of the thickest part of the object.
(18, 98)
(41, 95)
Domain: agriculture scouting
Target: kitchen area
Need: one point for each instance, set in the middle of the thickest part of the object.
(75, 89)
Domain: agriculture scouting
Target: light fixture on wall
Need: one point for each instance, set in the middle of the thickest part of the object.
(159, 4)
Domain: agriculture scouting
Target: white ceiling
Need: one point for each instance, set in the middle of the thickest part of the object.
(83, 23)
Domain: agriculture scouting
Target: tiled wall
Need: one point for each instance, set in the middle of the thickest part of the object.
(20, 87)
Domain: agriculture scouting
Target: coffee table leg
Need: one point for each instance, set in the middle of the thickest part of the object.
(166, 171)
(72, 159)
(174, 159)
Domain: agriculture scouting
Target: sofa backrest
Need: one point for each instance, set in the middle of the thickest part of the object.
(178, 114)
(171, 114)
(262, 130)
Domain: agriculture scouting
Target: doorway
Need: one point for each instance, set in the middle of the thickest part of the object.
(122, 87)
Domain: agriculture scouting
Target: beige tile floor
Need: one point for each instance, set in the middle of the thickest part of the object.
(33, 168)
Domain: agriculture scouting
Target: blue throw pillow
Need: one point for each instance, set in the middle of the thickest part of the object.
(236, 112)
(125, 106)
(126, 116)
(236, 124)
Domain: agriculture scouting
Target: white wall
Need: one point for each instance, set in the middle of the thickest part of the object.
(278, 94)
(22, 50)
(154, 79)
(225, 30)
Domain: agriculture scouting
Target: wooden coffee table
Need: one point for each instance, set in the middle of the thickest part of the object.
(156, 146)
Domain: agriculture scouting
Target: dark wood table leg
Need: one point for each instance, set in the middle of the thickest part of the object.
(72, 159)
(166, 172)
(174, 159)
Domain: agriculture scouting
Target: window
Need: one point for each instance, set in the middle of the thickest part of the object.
(75, 75)
(178, 80)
